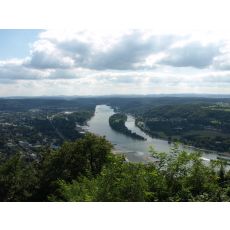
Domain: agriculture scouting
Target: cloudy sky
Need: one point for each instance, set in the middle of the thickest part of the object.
(104, 62)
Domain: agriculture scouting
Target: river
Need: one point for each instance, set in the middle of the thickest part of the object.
(134, 150)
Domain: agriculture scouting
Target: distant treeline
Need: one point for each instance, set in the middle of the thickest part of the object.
(133, 104)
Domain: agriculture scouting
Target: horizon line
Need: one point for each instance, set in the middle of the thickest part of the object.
(123, 95)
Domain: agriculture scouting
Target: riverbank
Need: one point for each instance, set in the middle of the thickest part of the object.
(135, 150)
(220, 155)
(117, 122)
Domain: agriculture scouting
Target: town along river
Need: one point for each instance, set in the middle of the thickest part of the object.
(134, 150)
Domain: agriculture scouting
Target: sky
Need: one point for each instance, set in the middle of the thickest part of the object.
(16, 42)
(105, 62)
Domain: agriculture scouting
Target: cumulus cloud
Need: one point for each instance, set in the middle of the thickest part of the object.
(109, 62)
(193, 54)
(44, 55)
(134, 49)
(129, 51)
(121, 52)
(222, 61)
(15, 70)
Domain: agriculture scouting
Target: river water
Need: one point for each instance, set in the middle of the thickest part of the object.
(134, 150)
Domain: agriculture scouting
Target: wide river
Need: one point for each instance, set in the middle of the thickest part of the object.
(135, 150)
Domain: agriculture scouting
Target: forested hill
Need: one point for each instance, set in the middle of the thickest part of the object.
(201, 125)
(86, 170)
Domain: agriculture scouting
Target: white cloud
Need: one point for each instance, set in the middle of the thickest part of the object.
(192, 54)
(15, 70)
(107, 62)
(44, 55)
(119, 50)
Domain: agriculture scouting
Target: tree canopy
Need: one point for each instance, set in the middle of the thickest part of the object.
(87, 170)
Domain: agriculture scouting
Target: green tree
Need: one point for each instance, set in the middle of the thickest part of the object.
(118, 181)
(84, 157)
(18, 179)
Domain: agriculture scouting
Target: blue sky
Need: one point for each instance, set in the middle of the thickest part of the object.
(103, 62)
(15, 42)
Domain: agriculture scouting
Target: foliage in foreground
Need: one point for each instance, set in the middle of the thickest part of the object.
(86, 170)
(176, 178)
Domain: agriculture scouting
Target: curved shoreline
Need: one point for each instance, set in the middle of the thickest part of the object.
(117, 122)
(135, 150)
(185, 145)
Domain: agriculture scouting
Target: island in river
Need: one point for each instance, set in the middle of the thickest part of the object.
(117, 122)
(135, 150)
